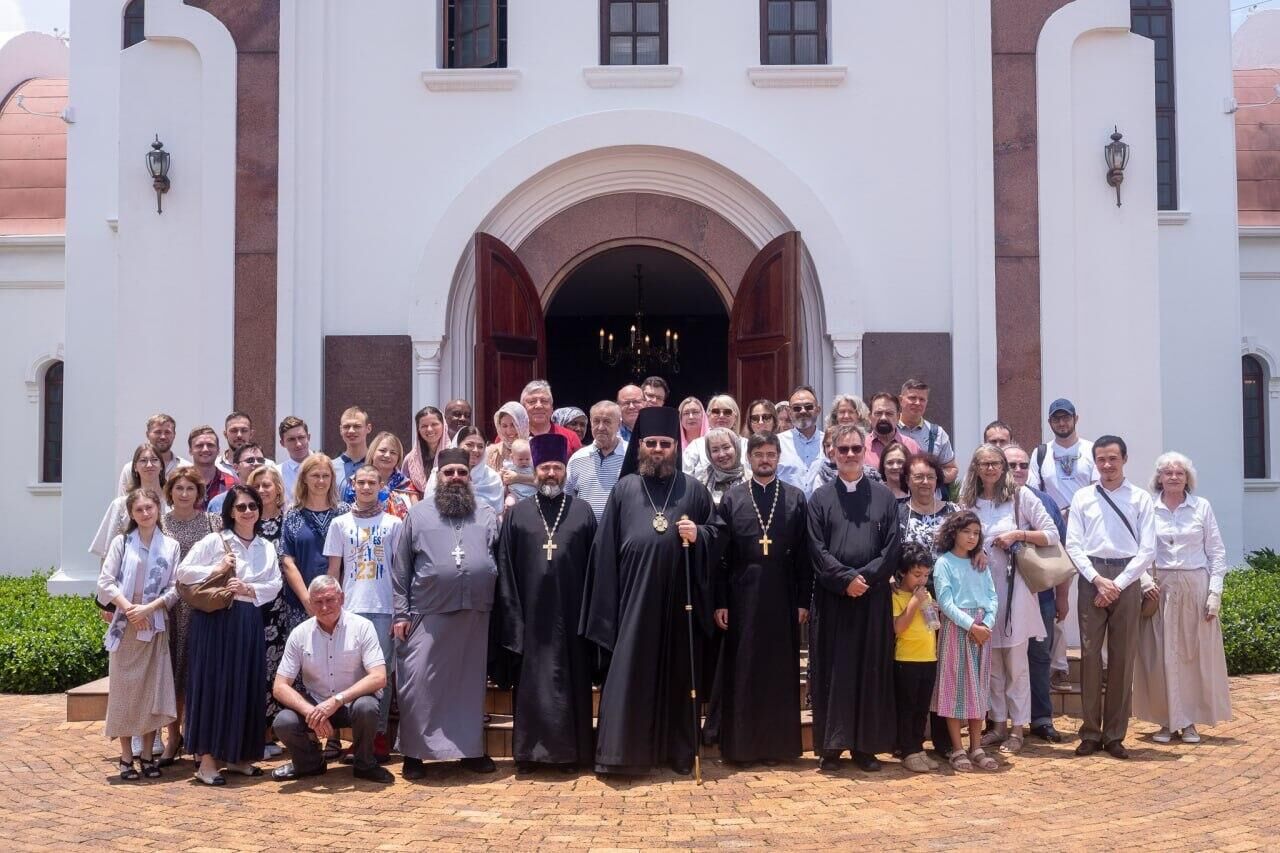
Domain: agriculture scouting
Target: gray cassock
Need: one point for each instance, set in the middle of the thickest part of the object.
(440, 668)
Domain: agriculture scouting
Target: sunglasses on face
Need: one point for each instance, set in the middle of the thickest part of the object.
(656, 443)
(759, 419)
(724, 413)
(803, 407)
(253, 460)
(245, 508)
(1020, 466)
(849, 449)
(454, 473)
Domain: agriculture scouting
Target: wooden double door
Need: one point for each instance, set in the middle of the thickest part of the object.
(511, 347)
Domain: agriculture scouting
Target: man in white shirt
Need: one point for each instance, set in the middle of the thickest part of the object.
(343, 669)
(1066, 464)
(161, 430)
(295, 438)
(802, 444)
(932, 438)
(593, 470)
(1111, 538)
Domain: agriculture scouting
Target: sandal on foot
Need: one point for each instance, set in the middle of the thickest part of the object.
(128, 773)
(959, 761)
(245, 769)
(983, 761)
(168, 760)
(995, 737)
(1013, 745)
(216, 780)
(150, 769)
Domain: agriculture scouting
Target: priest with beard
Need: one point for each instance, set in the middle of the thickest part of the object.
(853, 539)
(542, 567)
(634, 607)
(443, 576)
(762, 595)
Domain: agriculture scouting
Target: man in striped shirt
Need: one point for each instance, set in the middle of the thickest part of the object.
(594, 469)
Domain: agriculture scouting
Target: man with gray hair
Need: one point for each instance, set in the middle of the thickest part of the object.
(537, 401)
(343, 673)
(594, 469)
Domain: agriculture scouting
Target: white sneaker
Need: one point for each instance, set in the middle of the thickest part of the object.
(1190, 735)
(1162, 736)
(272, 750)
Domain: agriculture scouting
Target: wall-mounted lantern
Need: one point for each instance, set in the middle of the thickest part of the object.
(158, 166)
(1117, 156)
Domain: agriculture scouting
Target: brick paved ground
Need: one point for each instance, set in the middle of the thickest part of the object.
(57, 792)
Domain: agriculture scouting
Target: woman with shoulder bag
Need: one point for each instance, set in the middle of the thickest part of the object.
(137, 576)
(226, 653)
(1011, 517)
(1181, 679)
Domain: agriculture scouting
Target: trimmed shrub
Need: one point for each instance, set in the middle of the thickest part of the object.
(1251, 615)
(47, 643)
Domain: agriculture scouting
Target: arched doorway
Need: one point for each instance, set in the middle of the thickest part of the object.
(681, 305)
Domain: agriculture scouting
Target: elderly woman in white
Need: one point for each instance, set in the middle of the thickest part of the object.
(1181, 678)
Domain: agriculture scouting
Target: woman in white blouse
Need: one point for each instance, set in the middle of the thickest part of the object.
(226, 653)
(137, 578)
(1011, 517)
(722, 411)
(1181, 678)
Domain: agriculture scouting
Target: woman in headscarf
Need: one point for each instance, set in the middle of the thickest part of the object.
(510, 422)
(726, 468)
(571, 417)
(429, 438)
(693, 421)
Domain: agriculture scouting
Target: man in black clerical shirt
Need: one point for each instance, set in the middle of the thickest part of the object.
(542, 566)
(634, 608)
(762, 593)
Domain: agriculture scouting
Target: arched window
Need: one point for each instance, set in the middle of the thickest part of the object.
(1254, 383)
(132, 31)
(51, 425)
(1154, 19)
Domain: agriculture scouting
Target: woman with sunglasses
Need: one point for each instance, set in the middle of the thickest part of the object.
(761, 417)
(722, 412)
(226, 651)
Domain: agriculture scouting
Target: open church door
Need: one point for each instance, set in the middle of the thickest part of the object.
(763, 325)
(510, 350)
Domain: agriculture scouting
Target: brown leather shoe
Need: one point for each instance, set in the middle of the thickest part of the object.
(1088, 747)
(1116, 750)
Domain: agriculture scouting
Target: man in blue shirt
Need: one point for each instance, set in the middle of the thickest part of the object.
(802, 444)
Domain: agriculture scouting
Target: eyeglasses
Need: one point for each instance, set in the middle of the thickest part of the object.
(454, 473)
(803, 407)
(254, 460)
(149, 462)
(991, 463)
(245, 508)
(724, 413)
(632, 404)
(924, 478)
(655, 443)
(849, 449)
(759, 419)
(1019, 466)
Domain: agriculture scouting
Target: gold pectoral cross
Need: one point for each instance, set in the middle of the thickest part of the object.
(549, 547)
(765, 541)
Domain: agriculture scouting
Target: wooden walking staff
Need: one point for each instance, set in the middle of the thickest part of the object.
(693, 673)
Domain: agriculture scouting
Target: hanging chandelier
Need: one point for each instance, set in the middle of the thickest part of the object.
(641, 356)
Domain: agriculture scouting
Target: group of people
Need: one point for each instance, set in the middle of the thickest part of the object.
(677, 557)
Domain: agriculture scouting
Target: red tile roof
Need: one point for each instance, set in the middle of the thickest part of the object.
(1258, 147)
(33, 159)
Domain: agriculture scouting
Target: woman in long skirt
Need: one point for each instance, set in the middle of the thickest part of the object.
(1181, 678)
(137, 577)
(226, 652)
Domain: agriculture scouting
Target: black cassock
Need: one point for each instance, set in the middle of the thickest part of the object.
(760, 667)
(851, 639)
(539, 603)
(634, 610)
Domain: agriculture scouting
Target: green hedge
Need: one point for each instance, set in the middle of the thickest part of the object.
(47, 643)
(1251, 615)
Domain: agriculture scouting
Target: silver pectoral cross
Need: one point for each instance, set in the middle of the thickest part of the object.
(458, 554)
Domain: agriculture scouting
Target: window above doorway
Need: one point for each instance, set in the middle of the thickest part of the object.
(633, 32)
(793, 32)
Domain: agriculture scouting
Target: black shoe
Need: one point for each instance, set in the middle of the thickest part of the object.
(479, 764)
(1047, 733)
(829, 764)
(288, 772)
(1088, 747)
(374, 774)
(413, 769)
(568, 768)
(332, 749)
(682, 768)
(866, 762)
(1116, 749)
(524, 767)
(770, 762)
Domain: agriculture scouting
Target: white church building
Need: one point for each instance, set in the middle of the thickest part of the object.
(399, 203)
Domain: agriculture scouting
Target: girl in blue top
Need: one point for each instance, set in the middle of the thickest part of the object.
(968, 601)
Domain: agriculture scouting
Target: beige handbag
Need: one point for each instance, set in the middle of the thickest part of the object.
(1042, 567)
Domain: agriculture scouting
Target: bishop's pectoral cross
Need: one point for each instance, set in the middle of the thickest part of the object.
(458, 554)
(549, 547)
(765, 541)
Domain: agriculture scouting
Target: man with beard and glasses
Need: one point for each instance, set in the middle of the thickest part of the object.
(762, 593)
(542, 566)
(444, 576)
(801, 446)
(885, 411)
(634, 607)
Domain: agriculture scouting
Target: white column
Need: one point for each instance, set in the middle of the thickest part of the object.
(426, 373)
(846, 354)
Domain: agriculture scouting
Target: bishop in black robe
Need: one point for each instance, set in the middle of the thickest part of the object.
(853, 533)
(634, 608)
(763, 595)
(539, 604)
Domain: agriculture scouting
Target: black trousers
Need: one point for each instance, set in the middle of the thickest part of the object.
(913, 690)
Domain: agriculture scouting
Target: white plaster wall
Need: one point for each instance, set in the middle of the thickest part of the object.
(31, 301)
(1200, 307)
(1260, 329)
(28, 55)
